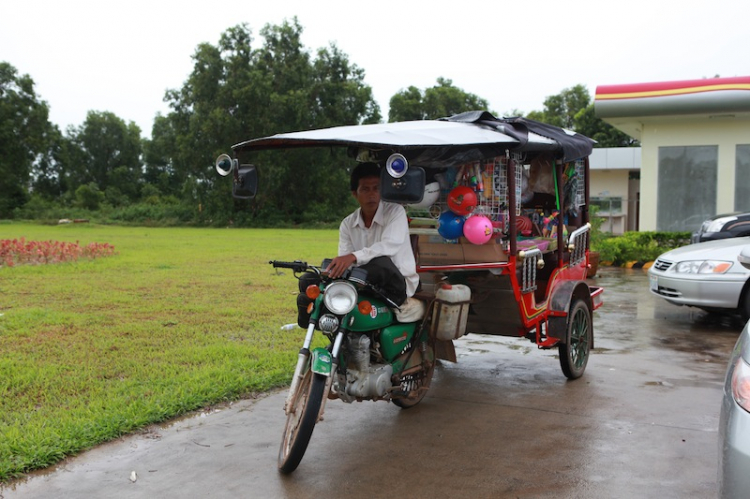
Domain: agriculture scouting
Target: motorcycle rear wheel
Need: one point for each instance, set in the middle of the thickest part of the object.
(415, 386)
(301, 420)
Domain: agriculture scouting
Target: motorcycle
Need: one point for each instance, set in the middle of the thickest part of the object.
(374, 352)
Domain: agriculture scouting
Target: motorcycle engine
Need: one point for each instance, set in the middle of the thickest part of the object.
(373, 383)
(363, 380)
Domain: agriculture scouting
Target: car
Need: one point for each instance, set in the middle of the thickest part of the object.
(704, 275)
(723, 226)
(734, 418)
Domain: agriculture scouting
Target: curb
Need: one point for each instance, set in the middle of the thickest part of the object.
(638, 265)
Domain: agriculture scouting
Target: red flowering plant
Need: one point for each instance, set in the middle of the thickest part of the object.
(22, 252)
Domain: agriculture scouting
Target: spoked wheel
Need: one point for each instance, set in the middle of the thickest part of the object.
(574, 353)
(301, 421)
(414, 386)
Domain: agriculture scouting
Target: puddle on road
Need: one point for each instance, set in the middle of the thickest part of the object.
(633, 319)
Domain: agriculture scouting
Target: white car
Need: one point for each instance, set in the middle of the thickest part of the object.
(704, 275)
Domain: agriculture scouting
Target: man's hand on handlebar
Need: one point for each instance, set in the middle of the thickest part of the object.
(339, 265)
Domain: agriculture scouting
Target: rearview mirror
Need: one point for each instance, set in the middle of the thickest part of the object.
(744, 257)
(245, 184)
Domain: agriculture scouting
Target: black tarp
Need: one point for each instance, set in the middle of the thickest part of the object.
(574, 145)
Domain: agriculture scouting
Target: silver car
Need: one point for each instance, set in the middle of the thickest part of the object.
(734, 422)
(705, 275)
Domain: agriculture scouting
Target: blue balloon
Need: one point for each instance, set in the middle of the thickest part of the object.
(450, 225)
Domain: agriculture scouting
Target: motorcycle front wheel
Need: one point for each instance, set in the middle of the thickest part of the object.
(300, 422)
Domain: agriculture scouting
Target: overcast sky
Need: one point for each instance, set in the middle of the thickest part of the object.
(121, 56)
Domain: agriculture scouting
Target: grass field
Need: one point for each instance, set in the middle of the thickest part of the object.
(178, 319)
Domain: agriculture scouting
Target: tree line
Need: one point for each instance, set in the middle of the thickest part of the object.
(104, 170)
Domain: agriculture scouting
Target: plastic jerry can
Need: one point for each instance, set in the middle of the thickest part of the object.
(451, 311)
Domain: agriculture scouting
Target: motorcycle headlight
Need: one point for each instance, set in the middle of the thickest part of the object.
(702, 267)
(340, 297)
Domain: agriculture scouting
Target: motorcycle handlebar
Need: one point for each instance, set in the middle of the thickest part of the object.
(355, 274)
(297, 265)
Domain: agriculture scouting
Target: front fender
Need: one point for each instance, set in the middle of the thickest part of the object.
(321, 361)
(560, 301)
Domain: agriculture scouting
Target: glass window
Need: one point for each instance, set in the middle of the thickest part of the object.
(608, 205)
(687, 187)
(742, 178)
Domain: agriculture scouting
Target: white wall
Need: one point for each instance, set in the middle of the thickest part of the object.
(612, 183)
(725, 133)
(615, 158)
(609, 177)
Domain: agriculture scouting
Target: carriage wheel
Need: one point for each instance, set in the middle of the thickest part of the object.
(574, 353)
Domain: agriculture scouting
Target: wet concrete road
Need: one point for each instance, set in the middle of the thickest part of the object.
(502, 422)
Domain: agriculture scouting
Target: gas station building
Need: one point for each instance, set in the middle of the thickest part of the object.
(695, 147)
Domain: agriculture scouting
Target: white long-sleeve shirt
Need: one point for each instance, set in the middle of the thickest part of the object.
(388, 235)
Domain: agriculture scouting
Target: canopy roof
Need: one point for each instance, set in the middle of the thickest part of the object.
(703, 97)
(461, 138)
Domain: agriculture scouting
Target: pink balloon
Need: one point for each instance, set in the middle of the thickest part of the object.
(478, 229)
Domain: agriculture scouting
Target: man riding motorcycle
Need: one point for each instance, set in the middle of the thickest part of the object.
(376, 237)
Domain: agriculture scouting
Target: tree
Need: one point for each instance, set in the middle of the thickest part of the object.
(561, 109)
(236, 92)
(605, 135)
(25, 137)
(435, 102)
(47, 178)
(407, 105)
(159, 170)
(89, 196)
(105, 151)
(572, 108)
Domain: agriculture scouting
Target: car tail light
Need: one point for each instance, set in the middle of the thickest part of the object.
(741, 384)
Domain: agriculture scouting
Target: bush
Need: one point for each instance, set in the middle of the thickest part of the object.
(146, 213)
(89, 196)
(597, 236)
(49, 212)
(639, 246)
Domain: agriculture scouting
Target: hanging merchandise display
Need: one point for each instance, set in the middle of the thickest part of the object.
(462, 200)
(478, 229)
(431, 196)
(450, 225)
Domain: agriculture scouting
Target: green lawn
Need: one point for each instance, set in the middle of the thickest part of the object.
(177, 320)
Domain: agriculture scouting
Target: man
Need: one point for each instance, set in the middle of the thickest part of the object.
(376, 236)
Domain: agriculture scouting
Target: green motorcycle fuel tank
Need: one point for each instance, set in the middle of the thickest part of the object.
(379, 317)
(394, 336)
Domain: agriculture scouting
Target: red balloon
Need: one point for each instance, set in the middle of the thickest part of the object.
(462, 200)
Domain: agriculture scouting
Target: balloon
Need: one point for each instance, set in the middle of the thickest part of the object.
(450, 225)
(478, 229)
(462, 200)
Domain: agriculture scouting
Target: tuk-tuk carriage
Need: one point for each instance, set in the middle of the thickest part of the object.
(499, 221)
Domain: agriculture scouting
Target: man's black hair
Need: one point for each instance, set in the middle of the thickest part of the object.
(363, 170)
